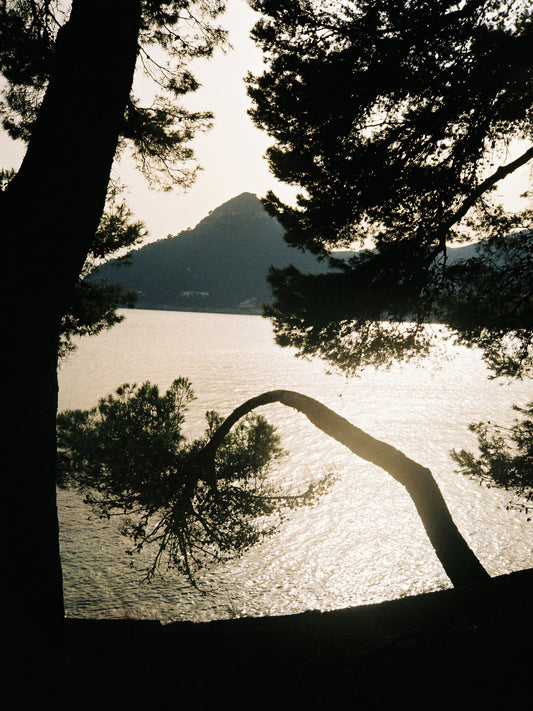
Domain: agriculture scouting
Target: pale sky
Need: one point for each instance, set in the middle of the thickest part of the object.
(231, 154)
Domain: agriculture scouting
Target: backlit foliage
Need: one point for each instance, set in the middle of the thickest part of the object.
(396, 120)
(505, 457)
(128, 456)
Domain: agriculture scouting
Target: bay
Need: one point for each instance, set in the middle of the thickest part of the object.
(363, 542)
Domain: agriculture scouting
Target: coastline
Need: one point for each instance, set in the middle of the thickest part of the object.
(434, 650)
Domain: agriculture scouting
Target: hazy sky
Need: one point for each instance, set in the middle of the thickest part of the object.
(231, 154)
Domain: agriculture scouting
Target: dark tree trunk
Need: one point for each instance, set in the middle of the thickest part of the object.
(49, 215)
(458, 560)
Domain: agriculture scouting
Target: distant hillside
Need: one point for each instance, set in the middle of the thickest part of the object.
(220, 265)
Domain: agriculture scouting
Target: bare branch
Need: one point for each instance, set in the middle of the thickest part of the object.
(459, 562)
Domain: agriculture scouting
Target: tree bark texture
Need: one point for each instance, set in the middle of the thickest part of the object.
(458, 560)
(48, 217)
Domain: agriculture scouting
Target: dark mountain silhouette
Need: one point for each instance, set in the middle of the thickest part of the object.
(220, 265)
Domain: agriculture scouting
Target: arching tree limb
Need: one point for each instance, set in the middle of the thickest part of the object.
(458, 560)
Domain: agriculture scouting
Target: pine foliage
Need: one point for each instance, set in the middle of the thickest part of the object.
(129, 457)
(395, 120)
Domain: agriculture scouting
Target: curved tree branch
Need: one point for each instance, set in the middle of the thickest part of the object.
(458, 560)
(502, 172)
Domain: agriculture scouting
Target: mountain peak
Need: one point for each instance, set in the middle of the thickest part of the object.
(244, 204)
(220, 265)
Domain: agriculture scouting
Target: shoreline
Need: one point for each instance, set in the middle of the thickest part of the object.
(430, 651)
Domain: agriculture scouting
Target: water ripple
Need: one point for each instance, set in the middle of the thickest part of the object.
(363, 542)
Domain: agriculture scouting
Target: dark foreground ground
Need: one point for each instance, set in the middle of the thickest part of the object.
(450, 649)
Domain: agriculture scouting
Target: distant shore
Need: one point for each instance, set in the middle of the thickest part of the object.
(255, 311)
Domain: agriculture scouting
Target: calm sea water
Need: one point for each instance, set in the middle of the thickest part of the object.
(363, 542)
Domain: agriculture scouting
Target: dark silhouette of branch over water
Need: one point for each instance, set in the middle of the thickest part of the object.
(458, 560)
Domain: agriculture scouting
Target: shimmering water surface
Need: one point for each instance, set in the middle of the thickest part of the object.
(363, 542)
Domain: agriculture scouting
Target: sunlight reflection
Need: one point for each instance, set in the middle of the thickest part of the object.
(363, 542)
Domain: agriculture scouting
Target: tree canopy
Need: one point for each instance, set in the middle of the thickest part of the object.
(396, 120)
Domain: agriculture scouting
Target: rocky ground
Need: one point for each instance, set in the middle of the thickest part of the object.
(448, 649)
